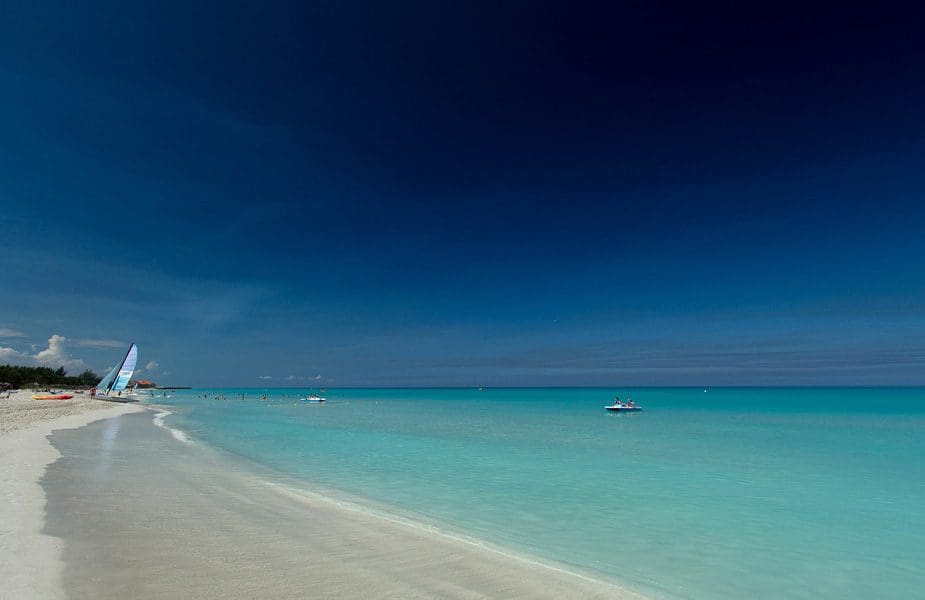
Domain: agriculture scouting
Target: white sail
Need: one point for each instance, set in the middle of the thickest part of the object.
(126, 370)
(118, 378)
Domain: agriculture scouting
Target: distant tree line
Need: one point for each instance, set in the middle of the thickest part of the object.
(16, 377)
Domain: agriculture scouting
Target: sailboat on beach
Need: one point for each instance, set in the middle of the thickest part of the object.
(112, 386)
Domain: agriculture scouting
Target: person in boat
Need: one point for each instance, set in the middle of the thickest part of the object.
(630, 403)
(616, 401)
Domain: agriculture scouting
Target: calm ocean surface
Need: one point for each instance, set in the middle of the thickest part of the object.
(729, 493)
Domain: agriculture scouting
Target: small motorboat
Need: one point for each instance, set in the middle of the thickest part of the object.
(623, 408)
(53, 397)
(314, 398)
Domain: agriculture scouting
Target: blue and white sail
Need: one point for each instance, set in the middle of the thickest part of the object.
(126, 370)
(103, 386)
(118, 378)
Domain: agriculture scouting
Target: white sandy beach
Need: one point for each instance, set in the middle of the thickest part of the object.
(160, 519)
(30, 563)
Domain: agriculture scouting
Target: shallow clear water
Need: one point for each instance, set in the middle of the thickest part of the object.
(729, 493)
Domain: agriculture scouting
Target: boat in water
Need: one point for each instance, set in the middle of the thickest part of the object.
(113, 385)
(314, 398)
(628, 406)
(622, 408)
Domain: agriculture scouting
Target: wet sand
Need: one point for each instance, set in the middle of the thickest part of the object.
(143, 514)
(30, 560)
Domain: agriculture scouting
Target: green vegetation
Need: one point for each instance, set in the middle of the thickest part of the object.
(18, 377)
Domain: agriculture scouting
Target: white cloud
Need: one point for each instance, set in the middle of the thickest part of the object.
(317, 377)
(8, 354)
(55, 351)
(265, 377)
(300, 378)
(56, 355)
(91, 343)
(7, 332)
(151, 365)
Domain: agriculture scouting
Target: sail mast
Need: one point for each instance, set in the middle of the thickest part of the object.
(113, 384)
(102, 388)
(119, 375)
(126, 369)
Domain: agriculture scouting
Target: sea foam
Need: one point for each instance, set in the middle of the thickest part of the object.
(176, 433)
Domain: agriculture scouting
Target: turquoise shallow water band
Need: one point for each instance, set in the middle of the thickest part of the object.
(785, 493)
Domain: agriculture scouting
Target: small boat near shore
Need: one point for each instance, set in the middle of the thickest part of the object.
(53, 397)
(316, 399)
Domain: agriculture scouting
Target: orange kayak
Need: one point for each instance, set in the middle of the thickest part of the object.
(54, 397)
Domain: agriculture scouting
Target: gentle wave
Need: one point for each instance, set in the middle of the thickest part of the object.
(176, 433)
(302, 494)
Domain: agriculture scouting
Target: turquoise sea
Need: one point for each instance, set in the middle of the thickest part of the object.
(719, 493)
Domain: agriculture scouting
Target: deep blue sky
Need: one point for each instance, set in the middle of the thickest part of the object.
(386, 193)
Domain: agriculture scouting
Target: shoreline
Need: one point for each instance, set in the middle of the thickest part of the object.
(30, 560)
(160, 518)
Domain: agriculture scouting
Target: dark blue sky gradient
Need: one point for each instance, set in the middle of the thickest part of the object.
(458, 194)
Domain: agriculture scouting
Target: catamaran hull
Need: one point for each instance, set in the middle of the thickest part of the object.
(131, 398)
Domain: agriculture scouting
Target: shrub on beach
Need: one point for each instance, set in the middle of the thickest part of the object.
(16, 376)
